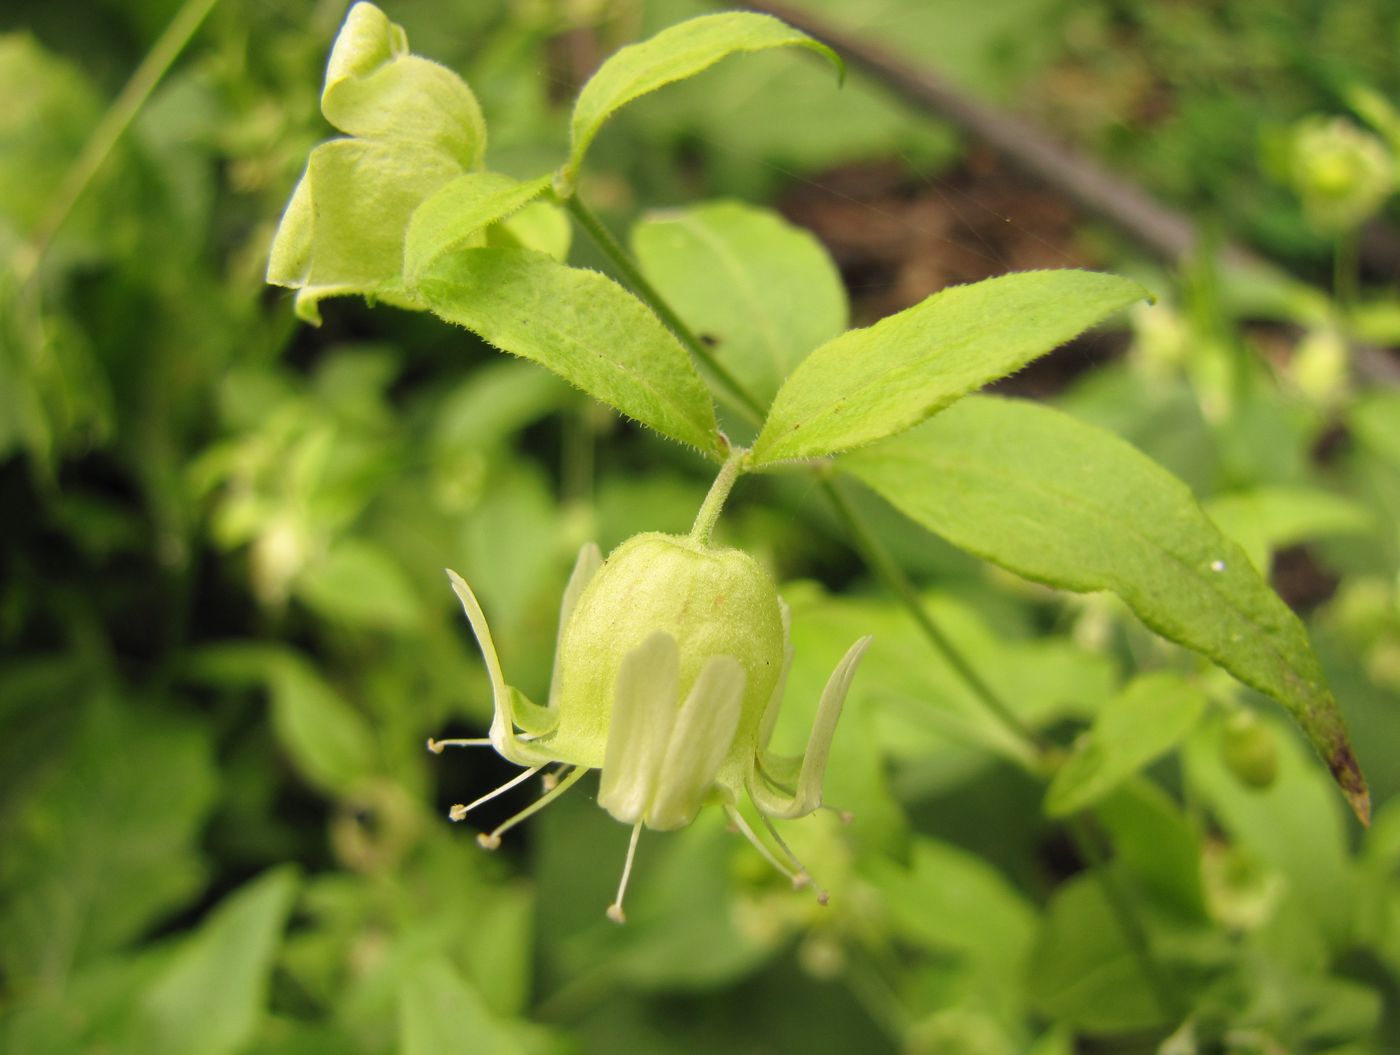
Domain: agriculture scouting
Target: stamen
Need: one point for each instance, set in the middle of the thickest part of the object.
(822, 896)
(459, 811)
(436, 746)
(798, 879)
(493, 840)
(845, 816)
(615, 912)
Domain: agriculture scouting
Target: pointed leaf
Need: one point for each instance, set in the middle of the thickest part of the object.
(212, 996)
(456, 217)
(1076, 507)
(1143, 722)
(672, 55)
(764, 291)
(583, 326)
(879, 381)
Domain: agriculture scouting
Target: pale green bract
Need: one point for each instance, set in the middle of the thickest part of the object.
(879, 381)
(668, 675)
(1073, 506)
(584, 327)
(414, 125)
(674, 54)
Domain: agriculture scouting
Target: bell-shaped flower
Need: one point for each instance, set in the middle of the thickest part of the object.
(668, 677)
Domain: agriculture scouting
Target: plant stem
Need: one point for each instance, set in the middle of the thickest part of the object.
(1134, 932)
(885, 566)
(719, 492)
(622, 260)
(870, 548)
(110, 129)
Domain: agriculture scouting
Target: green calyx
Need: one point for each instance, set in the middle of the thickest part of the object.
(712, 601)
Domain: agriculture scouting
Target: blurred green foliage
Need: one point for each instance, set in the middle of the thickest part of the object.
(226, 634)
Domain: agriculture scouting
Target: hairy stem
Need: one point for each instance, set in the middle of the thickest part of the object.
(719, 492)
(109, 130)
(622, 260)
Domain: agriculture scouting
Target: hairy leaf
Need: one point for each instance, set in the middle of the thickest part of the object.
(672, 55)
(1070, 505)
(881, 380)
(584, 327)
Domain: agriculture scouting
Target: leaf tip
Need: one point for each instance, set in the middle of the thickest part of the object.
(1346, 771)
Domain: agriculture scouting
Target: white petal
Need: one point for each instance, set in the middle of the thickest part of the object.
(809, 780)
(700, 740)
(644, 710)
(590, 559)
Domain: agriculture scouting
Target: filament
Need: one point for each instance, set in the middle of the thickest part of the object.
(436, 746)
(493, 840)
(459, 811)
(615, 912)
(798, 879)
(796, 861)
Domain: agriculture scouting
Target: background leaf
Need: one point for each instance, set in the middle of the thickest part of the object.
(1072, 506)
(210, 998)
(1143, 722)
(584, 327)
(673, 54)
(879, 381)
(763, 290)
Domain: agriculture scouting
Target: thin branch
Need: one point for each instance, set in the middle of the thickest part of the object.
(632, 274)
(109, 130)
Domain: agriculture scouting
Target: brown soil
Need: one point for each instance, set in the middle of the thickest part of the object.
(899, 236)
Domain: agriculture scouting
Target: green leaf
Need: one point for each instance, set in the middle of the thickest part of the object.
(213, 994)
(440, 1012)
(1083, 973)
(951, 900)
(881, 380)
(1142, 723)
(1072, 506)
(456, 217)
(1268, 519)
(328, 740)
(583, 326)
(359, 583)
(674, 54)
(764, 291)
(102, 840)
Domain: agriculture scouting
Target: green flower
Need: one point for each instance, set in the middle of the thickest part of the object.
(668, 677)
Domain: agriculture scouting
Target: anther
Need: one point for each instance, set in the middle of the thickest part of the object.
(436, 746)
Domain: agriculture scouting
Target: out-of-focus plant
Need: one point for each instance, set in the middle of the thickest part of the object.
(228, 633)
